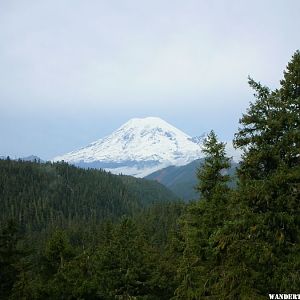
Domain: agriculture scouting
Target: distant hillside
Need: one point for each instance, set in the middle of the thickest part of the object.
(39, 195)
(147, 191)
(32, 158)
(181, 180)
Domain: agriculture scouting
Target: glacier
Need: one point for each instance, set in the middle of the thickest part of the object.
(139, 147)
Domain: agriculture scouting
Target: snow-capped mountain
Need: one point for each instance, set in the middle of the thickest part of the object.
(138, 148)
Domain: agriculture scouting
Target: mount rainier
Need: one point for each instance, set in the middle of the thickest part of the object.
(139, 147)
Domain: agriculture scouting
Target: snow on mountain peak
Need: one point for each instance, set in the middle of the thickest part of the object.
(138, 147)
(150, 124)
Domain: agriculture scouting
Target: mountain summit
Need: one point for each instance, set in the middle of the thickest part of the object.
(139, 147)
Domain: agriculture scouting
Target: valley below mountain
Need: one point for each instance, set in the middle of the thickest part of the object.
(182, 180)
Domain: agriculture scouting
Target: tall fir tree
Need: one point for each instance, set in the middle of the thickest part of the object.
(259, 246)
(202, 220)
(212, 175)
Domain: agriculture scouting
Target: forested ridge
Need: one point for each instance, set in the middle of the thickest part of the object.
(239, 242)
(39, 195)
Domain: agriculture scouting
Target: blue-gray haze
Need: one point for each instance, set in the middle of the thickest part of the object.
(73, 71)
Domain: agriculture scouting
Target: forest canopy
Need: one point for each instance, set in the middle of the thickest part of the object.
(68, 233)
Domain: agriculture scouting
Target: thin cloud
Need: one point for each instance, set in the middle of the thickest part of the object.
(113, 60)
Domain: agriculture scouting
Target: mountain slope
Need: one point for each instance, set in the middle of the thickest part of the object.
(40, 195)
(139, 147)
(181, 180)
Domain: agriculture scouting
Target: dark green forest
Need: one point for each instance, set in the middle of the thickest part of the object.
(69, 233)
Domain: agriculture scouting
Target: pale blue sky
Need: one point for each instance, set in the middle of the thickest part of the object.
(73, 71)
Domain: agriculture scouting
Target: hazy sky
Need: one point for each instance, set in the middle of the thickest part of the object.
(73, 71)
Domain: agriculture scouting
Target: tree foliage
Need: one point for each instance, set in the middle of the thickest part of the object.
(212, 176)
(87, 234)
(201, 222)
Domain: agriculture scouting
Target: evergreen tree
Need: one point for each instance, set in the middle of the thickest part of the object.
(123, 263)
(259, 245)
(57, 252)
(270, 135)
(202, 220)
(211, 175)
